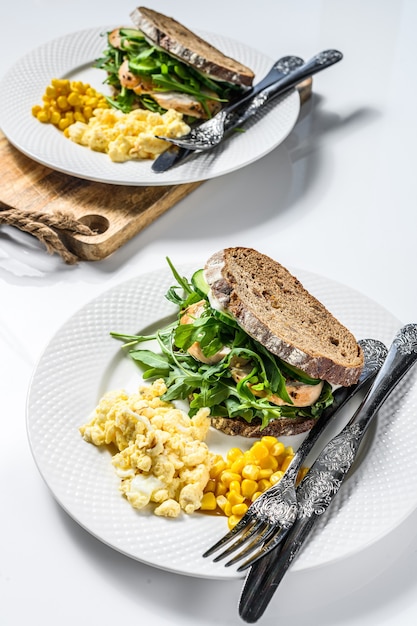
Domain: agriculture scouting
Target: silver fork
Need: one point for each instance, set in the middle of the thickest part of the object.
(249, 104)
(271, 516)
(209, 134)
(326, 476)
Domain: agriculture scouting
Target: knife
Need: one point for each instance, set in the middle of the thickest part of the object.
(291, 77)
(325, 477)
(175, 155)
(279, 70)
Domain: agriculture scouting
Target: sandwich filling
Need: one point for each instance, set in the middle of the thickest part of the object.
(143, 75)
(205, 357)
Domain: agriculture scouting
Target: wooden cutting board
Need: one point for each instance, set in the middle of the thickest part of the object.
(115, 213)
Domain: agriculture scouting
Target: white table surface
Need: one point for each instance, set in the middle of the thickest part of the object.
(347, 212)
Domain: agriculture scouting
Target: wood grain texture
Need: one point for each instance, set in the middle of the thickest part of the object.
(116, 213)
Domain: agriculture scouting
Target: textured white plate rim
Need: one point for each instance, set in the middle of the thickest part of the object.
(46, 145)
(354, 522)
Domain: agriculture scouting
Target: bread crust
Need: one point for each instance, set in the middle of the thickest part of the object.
(224, 273)
(285, 427)
(185, 45)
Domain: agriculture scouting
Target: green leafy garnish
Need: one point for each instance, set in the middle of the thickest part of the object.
(163, 72)
(212, 384)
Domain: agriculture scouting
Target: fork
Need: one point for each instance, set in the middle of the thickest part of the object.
(209, 134)
(326, 476)
(270, 517)
(249, 105)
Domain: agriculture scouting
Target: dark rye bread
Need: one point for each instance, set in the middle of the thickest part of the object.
(182, 43)
(274, 308)
(284, 427)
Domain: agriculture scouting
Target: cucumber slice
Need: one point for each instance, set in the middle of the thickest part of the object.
(199, 283)
(132, 33)
(224, 317)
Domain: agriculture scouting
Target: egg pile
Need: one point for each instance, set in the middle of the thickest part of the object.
(161, 454)
(128, 136)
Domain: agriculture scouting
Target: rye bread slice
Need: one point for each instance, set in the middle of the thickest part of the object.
(284, 427)
(274, 308)
(185, 45)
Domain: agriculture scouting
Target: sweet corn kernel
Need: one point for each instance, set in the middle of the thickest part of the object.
(235, 498)
(208, 502)
(239, 509)
(63, 123)
(62, 103)
(238, 465)
(277, 449)
(233, 454)
(227, 509)
(248, 456)
(222, 502)
(269, 441)
(265, 473)
(51, 92)
(240, 479)
(232, 521)
(55, 117)
(250, 471)
(234, 485)
(211, 485)
(264, 484)
(218, 466)
(63, 99)
(259, 450)
(43, 116)
(248, 487)
(221, 489)
(269, 462)
(74, 99)
(227, 477)
(287, 460)
(276, 477)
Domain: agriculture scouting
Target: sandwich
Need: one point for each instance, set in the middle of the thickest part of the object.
(160, 64)
(251, 344)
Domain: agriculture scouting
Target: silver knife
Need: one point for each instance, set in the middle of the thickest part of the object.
(281, 68)
(325, 477)
(293, 72)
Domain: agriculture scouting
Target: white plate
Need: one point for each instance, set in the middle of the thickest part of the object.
(82, 362)
(72, 57)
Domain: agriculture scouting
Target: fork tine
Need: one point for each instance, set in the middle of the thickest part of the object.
(255, 529)
(274, 542)
(257, 542)
(241, 526)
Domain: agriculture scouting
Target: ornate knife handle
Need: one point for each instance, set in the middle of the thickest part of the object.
(325, 477)
(293, 73)
(329, 470)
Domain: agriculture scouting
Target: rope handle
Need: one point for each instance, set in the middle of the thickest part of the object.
(46, 227)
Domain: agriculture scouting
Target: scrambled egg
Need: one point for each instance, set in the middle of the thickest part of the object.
(128, 136)
(162, 457)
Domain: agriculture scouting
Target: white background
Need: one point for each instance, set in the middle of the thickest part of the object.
(345, 209)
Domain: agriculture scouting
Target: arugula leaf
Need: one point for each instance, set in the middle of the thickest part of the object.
(166, 74)
(212, 385)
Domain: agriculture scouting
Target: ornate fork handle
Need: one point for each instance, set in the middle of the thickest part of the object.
(210, 133)
(270, 516)
(323, 481)
(294, 74)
